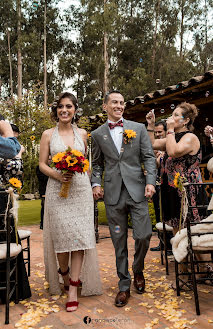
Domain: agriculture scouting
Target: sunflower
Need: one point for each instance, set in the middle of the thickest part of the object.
(15, 182)
(71, 161)
(58, 157)
(130, 133)
(77, 153)
(86, 165)
(176, 179)
(32, 138)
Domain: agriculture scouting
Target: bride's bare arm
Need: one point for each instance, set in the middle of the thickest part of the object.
(44, 156)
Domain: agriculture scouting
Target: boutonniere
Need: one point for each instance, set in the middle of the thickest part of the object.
(129, 134)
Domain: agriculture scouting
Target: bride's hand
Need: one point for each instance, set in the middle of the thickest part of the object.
(64, 178)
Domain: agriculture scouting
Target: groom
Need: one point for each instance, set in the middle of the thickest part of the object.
(126, 189)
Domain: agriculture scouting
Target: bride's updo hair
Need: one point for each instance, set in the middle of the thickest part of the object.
(189, 111)
(57, 101)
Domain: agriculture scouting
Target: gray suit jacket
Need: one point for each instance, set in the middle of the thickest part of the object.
(125, 166)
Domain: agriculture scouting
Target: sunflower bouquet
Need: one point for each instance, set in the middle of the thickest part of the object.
(179, 182)
(70, 161)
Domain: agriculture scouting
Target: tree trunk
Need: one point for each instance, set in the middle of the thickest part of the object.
(106, 65)
(181, 28)
(10, 63)
(19, 49)
(155, 38)
(206, 64)
(45, 54)
(106, 61)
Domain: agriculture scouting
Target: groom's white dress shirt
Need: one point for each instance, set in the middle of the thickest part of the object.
(117, 135)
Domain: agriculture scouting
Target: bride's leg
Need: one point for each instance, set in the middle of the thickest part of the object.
(63, 259)
(76, 261)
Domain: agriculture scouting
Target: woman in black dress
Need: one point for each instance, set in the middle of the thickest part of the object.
(183, 156)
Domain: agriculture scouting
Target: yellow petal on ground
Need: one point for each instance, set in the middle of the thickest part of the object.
(110, 294)
(193, 321)
(23, 302)
(143, 304)
(99, 310)
(204, 290)
(55, 297)
(210, 321)
(150, 311)
(12, 304)
(127, 309)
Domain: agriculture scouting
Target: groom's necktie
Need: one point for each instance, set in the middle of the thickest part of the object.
(113, 125)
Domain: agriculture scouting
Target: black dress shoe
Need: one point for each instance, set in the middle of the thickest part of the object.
(155, 248)
(139, 282)
(122, 298)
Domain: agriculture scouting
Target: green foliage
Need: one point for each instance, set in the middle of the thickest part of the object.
(32, 119)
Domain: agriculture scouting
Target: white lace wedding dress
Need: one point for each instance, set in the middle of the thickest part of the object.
(69, 224)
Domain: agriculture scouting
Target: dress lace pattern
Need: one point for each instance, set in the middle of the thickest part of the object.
(69, 223)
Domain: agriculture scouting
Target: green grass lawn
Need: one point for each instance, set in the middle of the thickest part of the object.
(29, 212)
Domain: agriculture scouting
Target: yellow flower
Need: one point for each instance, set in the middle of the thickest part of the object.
(58, 157)
(86, 165)
(88, 135)
(32, 138)
(71, 161)
(15, 182)
(176, 179)
(77, 153)
(130, 133)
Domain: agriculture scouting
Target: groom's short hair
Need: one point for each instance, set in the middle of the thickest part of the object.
(106, 98)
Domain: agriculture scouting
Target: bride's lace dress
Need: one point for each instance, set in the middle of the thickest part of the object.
(69, 224)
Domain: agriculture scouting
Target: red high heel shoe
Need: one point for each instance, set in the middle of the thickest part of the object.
(64, 274)
(74, 303)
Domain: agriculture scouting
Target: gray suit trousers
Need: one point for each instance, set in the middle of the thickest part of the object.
(117, 216)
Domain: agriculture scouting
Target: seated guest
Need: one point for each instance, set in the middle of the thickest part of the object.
(16, 133)
(9, 146)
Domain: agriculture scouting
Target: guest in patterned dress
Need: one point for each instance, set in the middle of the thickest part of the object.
(68, 222)
(182, 155)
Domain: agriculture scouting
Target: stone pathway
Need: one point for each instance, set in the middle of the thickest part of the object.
(158, 307)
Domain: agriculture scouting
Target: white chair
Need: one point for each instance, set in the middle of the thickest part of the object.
(25, 235)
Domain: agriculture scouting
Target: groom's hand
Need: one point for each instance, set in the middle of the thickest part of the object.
(98, 192)
(149, 191)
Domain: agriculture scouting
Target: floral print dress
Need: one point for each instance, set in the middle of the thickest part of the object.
(188, 166)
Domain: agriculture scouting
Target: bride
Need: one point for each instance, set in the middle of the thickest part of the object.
(68, 222)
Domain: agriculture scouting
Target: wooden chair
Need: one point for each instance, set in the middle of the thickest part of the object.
(8, 256)
(191, 262)
(163, 229)
(25, 235)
